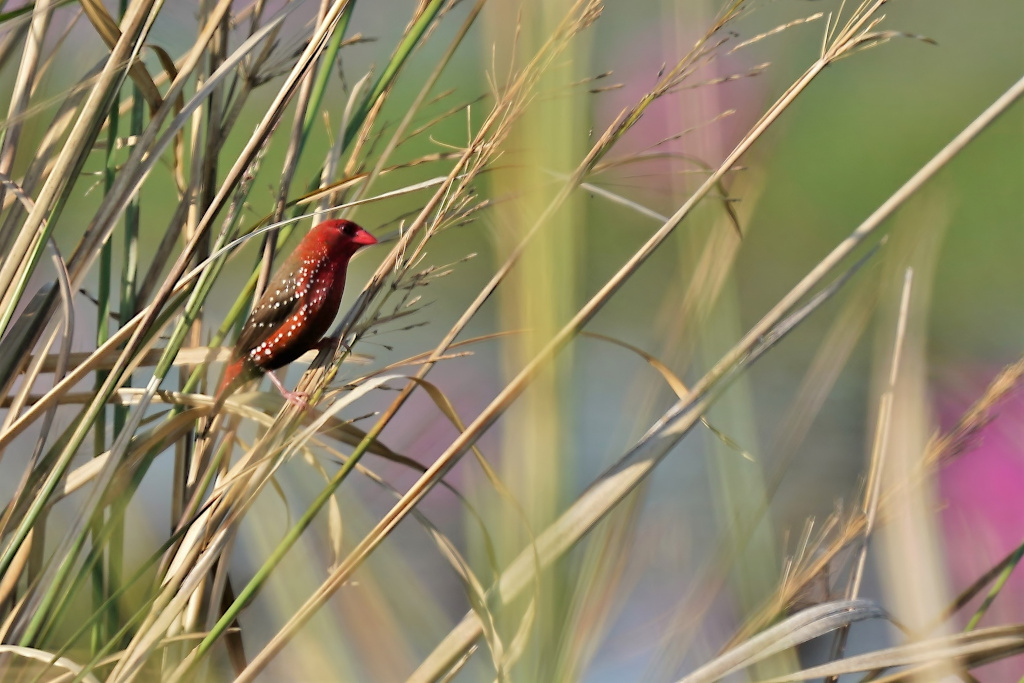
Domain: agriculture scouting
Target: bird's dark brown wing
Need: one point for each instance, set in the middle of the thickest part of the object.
(282, 298)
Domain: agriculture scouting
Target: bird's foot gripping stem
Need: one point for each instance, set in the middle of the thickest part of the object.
(296, 398)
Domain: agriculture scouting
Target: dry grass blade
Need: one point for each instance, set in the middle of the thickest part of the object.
(107, 28)
(14, 270)
(616, 483)
(206, 536)
(778, 29)
(49, 660)
(609, 490)
(135, 342)
(580, 16)
(22, 87)
(961, 436)
(874, 482)
(10, 580)
(482, 145)
(523, 379)
(673, 381)
(193, 355)
(799, 628)
(966, 649)
(62, 359)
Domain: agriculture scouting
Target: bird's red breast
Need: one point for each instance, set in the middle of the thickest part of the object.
(299, 304)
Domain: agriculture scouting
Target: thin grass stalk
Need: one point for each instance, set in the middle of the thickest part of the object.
(481, 142)
(68, 326)
(617, 482)
(913, 553)
(141, 335)
(524, 378)
(805, 565)
(103, 310)
(417, 103)
(846, 329)
(252, 149)
(127, 308)
(323, 74)
(102, 224)
(291, 161)
(209, 532)
(27, 248)
(128, 304)
(426, 14)
(23, 84)
(209, 121)
(1011, 562)
(872, 493)
(204, 148)
(129, 270)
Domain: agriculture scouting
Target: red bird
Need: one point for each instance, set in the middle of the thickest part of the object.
(297, 308)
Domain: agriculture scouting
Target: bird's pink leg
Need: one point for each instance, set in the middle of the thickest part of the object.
(296, 398)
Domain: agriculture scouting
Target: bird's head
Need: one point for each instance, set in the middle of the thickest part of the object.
(343, 238)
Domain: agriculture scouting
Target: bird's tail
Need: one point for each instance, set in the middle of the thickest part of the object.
(234, 376)
(232, 379)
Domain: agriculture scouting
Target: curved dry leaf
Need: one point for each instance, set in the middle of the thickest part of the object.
(108, 30)
(799, 628)
(968, 649)
(474, 588)
(676, 384)
(335, 525)
(49, 660)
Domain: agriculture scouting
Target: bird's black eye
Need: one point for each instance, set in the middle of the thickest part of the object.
(349, 229)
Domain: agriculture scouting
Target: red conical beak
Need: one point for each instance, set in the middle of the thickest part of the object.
(363, 238)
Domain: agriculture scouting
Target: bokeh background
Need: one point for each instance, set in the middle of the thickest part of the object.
(862, 128)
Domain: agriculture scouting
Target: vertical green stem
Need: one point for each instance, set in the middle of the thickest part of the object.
(324, 74)
(97, 635)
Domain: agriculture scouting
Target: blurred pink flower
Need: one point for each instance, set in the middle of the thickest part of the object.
(983, 513)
